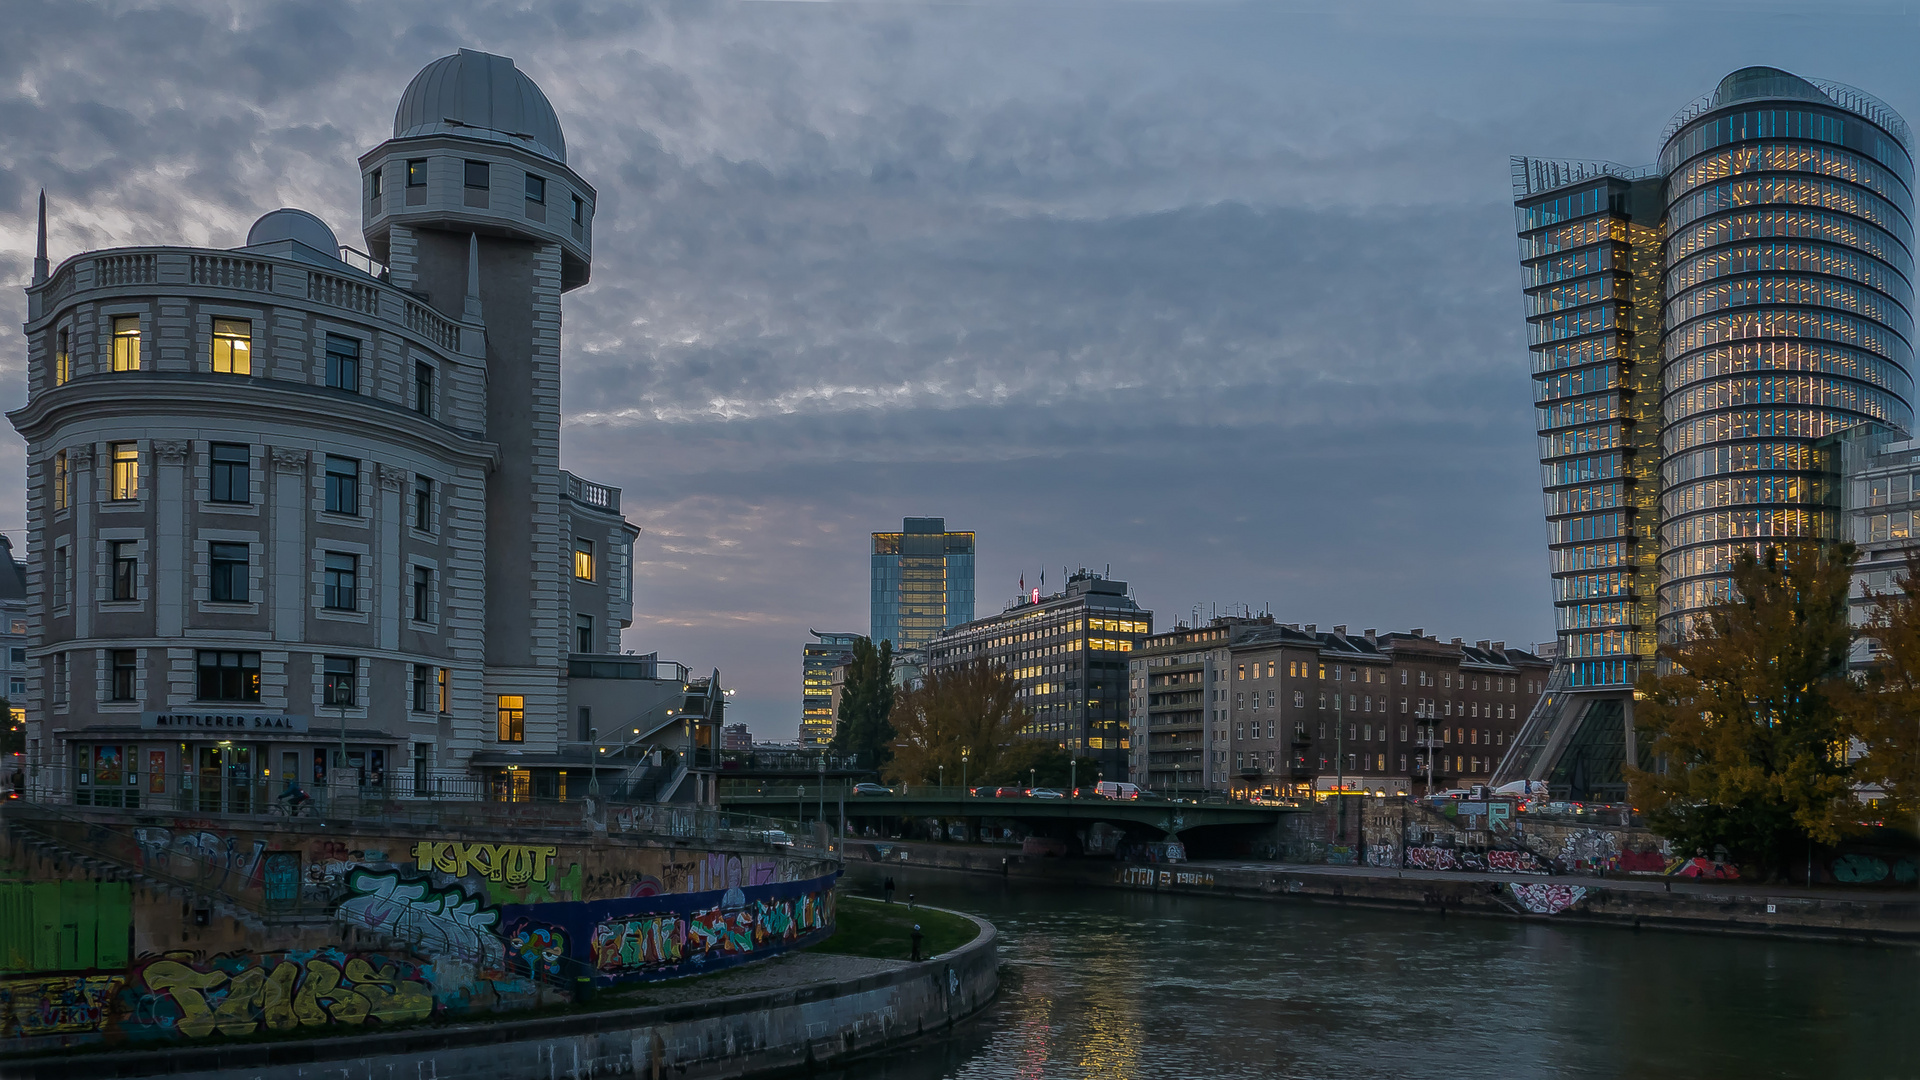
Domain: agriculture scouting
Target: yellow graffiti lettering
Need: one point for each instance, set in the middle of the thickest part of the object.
(235, 1014)
(276, 997)
(320, 982)
(185, 985)
(516, 864)
(407, 1000)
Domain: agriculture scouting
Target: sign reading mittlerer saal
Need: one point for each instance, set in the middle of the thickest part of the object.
(227, 722)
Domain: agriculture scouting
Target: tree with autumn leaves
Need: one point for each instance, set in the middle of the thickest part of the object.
(972, 707)
(1761, 738)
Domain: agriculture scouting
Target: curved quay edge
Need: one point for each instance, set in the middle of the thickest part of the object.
(744, 1035)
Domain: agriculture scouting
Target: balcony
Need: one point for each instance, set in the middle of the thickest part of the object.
(588, 493)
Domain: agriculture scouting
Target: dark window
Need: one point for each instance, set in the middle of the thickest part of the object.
(579, 210)
(417, 172)
(18, 656)
(230, 572)
(342, 579)
(423, 388)
(343, 485)
(373, 184)
(228, 676)
(343, 363)
(423, 504)
(422, 594)
(338, 675)
(477, 174)
(232, 479)
(586, 724)
(422, 688)
(536, 188)
(583, 631)
(125, 662)
(126, 569)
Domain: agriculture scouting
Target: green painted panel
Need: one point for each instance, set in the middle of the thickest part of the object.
(113, 925)
(16, 926)
(76, 914)
(46, 926)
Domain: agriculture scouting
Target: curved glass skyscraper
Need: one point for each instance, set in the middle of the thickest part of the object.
(1697, 327)
(1788, 295)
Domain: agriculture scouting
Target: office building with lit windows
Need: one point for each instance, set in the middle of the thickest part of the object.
(1698, 326)
(296, 512)
(819, 712)
(922, 583)
(1067, 653)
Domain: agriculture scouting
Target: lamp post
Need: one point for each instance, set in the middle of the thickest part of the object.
(965, 753)
(1073, 776)
(943, 777)
(593, 748)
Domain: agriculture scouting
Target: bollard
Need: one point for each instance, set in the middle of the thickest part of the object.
(916, 943)
(582, 989)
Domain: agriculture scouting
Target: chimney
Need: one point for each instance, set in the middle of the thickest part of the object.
(1499, 646)
(1483, 645)
(1418, 631)
(1370, 634)
(1457, 641)
(1312, 628)
(1340, 631)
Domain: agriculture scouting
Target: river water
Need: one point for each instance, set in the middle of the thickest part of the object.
(1101, 983)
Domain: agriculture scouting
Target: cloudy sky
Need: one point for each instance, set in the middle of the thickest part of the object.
(1223, 295)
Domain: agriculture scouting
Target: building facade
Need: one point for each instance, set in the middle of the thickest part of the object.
(819, 707)
(1745, 297)
(1255, 707)
(922, 583)
(1067, 654)
(296, 512)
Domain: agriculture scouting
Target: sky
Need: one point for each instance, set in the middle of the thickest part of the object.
(1221, 296)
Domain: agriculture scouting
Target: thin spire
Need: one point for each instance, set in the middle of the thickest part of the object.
(473, 277)
(40, 267)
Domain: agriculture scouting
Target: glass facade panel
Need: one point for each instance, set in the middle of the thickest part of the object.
(922, 582)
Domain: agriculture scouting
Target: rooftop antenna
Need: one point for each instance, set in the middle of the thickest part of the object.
(40, 244)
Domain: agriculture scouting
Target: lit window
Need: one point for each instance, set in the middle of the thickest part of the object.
(443, 689)
(63, 359)
(126, 343)
(228, 676)
(583, 559)
(342, 576)
(231, 478)
(513, 718)
(62, 481)
(417, 172)
(536, 189)
(229, 578)
(477, 175)
(338, 675)
(126, 470)
(232, 346)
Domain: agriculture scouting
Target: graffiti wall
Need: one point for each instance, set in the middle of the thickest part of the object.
(667, 935)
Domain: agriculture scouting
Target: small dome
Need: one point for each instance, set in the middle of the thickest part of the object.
(287, 223)
(475, 93)
(1759, 83)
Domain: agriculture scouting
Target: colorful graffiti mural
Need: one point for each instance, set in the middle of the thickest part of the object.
(439, 922)
(56, 1004)
(515, 864)
(1431, 858)
(241, 996)
(1515, 862)
(671, 934)
(1542, 899)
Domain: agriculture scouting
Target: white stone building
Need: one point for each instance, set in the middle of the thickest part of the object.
(289, 496)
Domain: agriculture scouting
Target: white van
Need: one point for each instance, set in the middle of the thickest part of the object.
(1111, 789)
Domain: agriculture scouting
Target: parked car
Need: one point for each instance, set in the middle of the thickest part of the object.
(1044, 793)
(778, 838)
(872, 789)
(1114, 789)
(1006, 793)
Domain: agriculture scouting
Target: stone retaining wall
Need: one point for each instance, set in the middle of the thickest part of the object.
(731, 1037)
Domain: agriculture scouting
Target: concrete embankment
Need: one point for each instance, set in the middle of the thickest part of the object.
(740, 1035)
(1655, 903)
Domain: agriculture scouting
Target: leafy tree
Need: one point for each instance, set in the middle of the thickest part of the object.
(969, 707)
(866, 702)
(1886, 709)
(13, 736)
(1746, 723)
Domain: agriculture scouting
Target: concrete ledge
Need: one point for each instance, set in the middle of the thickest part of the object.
(734, 1036)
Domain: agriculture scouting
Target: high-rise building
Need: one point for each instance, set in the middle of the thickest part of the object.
(1067, 653)
(818, 712)
(1698, 326)
(922, 582)
(296, 512)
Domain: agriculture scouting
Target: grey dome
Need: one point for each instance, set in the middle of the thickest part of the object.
(287, 223)
(480, 95)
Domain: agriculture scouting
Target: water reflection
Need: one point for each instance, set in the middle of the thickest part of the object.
(1104, 984)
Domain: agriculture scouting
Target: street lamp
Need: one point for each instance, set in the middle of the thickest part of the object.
(965, 753)
(943, 777)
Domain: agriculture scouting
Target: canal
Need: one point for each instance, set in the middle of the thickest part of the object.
(1103, 983)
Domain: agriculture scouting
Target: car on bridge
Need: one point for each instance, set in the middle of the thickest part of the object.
(996, 792)
(872, 789)
(1044, 793)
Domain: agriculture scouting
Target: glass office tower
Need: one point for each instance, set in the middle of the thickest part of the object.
(1697, 326)
(922, 582)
